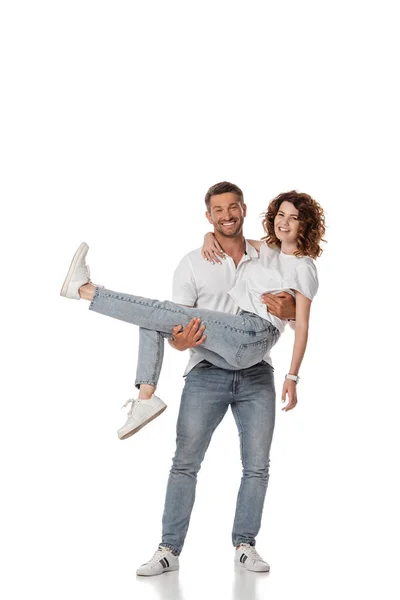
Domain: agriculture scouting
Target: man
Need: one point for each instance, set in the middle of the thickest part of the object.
(209, 391)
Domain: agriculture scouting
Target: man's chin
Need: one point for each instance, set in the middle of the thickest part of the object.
(230, 234)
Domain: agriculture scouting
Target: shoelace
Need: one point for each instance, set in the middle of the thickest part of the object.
(134, 403)
(252, 552)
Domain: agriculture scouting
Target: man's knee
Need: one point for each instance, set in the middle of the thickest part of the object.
(257, 471)
(189, 455)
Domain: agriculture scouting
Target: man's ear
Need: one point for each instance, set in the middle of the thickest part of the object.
(244, 210)
(208, 215)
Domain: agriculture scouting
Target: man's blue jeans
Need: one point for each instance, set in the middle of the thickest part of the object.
(230, 374)
(208, 392)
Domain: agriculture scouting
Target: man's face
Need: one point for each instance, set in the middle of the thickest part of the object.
(226, 214)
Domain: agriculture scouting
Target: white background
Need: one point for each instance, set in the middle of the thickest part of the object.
(115, 119)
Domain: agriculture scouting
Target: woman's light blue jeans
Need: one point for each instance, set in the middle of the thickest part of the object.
(233, 342)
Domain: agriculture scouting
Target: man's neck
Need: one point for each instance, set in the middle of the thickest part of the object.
(233, 247)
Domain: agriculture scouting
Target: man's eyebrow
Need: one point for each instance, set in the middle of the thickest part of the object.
(231, 204)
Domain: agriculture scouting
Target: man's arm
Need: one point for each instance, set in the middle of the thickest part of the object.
(189, 337)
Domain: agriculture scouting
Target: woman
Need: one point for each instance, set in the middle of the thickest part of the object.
(294, 226)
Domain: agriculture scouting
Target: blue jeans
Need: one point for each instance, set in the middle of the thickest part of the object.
(231, 374)
(233, 342)
(207, 394)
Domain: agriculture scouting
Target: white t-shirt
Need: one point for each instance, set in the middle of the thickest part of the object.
(199, 283)
(274, 272)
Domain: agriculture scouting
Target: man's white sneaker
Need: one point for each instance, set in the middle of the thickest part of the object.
(78, 274)
(247, 556)
(162, 561)
(140, 413)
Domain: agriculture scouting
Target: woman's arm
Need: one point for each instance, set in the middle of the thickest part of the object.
(256, 244)
(303, 306)
(213, 252)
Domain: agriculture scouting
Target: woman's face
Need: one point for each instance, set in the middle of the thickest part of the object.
(286, 223)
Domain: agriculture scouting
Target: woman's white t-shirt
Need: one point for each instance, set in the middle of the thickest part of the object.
(275, 272)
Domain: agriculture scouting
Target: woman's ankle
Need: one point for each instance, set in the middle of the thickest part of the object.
(146, 391)
(86, 291)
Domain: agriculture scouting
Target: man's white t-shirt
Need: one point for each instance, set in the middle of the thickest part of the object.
(201, 284)
(274, 272)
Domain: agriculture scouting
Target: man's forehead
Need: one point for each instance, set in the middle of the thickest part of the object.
(224, 199)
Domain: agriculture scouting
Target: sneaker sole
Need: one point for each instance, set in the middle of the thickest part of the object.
(239, 564)
(130, 433)
(82, 248)
(155, 574)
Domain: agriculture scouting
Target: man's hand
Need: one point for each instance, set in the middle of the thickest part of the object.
(280, 305)
(190, 337)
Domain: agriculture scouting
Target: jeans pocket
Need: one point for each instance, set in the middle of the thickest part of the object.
(253, 353)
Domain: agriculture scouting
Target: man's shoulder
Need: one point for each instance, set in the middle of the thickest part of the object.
(194, 254)
(194, 257)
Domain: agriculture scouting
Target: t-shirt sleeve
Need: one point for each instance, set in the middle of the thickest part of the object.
(184, 290)
(306, 280)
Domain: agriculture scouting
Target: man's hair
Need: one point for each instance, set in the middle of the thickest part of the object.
(223, 188)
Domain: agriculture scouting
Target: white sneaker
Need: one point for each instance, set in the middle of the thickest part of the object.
(77, 275)
(162, 561)
(140, 413)
(247, 556)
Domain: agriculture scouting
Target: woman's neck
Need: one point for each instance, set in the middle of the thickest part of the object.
(288, 248)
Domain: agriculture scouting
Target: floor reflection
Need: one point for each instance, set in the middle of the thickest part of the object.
(246, 584)
(166, 586)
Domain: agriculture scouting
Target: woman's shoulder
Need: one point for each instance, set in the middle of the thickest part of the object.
(268, 251)
(306, 276)
(306, 261)
(306, 267)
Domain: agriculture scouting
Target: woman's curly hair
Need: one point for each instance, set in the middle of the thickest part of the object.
(311, 227)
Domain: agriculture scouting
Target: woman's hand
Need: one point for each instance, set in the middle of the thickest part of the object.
(211, 250)
(289, 388)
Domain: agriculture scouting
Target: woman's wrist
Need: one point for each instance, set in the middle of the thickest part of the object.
(292, 377)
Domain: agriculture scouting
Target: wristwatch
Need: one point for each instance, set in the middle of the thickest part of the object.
(294, 378)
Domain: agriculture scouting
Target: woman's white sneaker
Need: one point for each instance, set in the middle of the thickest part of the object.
(140, 413)
(78, 274)
(247, 556)
(162, 561)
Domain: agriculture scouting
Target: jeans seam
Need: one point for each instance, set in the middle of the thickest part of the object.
(234, 409)
(96, 294)
(156, 361)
